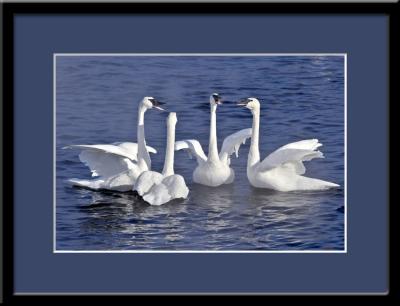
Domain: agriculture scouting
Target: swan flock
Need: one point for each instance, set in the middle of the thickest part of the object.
(126, 166)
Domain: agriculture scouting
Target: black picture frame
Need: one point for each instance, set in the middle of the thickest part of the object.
(11, 9)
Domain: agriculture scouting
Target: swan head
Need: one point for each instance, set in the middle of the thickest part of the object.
(250, 103)
(150, 102)
(215, 99)
(172, 120)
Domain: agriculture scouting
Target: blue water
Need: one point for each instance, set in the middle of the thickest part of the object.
(302, 97)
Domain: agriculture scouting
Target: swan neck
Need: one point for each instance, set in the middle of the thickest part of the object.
(142, 109)
(213, 145)
(143, 156)
(169, 153)
(254, 153)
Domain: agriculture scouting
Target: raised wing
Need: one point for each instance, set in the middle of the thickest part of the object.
(103, 164)
(132, 147)
(121, 149)
(292, 155)
(309, 144)
(232, 144)
(108, 160)
(193, 147)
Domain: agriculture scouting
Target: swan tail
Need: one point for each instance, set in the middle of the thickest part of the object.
(91, 184)
(308, 183)
(121, 182)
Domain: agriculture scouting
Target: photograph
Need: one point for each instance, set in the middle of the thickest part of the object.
(207, 152)
(198, 149)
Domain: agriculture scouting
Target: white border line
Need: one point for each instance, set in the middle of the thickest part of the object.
(344, 251)
(200, 54)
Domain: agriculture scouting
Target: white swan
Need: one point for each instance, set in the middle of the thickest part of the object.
(282, 170)
(159, 188)
(116, 166)
(214, 170)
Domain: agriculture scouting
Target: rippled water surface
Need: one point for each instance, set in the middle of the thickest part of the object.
(302, 97)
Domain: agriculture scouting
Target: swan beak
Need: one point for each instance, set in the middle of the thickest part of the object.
(156, 104)
(242, 102)
(159, 108)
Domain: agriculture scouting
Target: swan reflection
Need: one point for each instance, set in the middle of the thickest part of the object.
(126, 214)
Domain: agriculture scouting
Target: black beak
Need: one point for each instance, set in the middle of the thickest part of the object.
(157, 104)
(243, 102)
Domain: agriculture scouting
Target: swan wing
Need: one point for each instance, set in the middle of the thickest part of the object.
(172, 187)
(109, 159)
(121, 149)
(308, 144)
(176, 186)
(132, 148)
(146, 180)
(193, 147)
(103, 164)
(232, 144)
(291, 156)
(158, 195)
